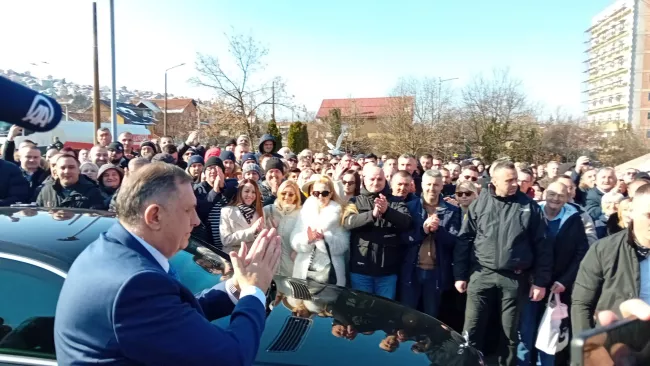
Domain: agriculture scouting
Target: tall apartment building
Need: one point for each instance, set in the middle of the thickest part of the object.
(618, 68)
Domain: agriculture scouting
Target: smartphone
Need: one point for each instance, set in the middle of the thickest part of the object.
(626, 342)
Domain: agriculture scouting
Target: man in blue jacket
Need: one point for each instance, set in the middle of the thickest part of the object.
(426, 270)
(121, 303)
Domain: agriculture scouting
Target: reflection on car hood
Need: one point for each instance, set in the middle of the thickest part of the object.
(315, 324)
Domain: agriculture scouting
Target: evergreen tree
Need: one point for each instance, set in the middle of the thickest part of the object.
(273, 130)
(295, 137)
(304, 136)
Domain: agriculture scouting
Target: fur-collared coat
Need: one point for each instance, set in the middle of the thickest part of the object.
(327, 219)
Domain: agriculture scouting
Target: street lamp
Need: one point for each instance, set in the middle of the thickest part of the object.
(440, 81)
(165, 112)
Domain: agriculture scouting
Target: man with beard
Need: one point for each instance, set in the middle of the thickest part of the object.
(99, 155)
(195, 167)
(147, 150)
(116, 154)
(68, 190)
(228, 160)
(30, 166)
(274, 169)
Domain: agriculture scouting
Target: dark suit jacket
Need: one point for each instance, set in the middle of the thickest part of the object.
(118, 306)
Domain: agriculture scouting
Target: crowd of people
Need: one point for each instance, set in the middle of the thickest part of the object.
(459, 240)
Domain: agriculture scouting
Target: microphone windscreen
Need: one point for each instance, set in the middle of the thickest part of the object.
(27, 108)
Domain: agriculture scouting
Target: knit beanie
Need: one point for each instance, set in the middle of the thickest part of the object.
(249, 156)
(227, 155)
(215, 151)
(150, 144)
(212, 161)
(194, 159)
(274, 163)
(252, 167)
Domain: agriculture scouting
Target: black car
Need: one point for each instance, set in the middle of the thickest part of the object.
(308, 323)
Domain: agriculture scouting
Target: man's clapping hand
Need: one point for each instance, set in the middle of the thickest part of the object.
(257, 265)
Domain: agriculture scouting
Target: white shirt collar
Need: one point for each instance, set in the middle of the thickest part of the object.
(158, 256)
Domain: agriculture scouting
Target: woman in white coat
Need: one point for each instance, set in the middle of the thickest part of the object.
(243, 219)
(319, 223)
(282, 215)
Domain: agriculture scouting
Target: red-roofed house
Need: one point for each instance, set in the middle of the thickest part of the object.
(369, 110)
(182, 115)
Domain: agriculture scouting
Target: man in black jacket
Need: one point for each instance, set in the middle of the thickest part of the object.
(13, 186)
(502, 240)
(69, 190)
(376, 247)
(615, 268)
(566, 233)
(30, 167)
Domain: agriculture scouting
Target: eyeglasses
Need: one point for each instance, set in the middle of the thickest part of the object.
(473, 179)
(464, 194)
(288, 194)
(318, 194)
(348, 182)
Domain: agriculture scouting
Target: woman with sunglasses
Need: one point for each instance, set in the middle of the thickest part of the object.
(282, 215)
(351, 182)
(319, 237)
(466, 193)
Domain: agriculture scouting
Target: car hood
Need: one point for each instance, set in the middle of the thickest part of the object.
(309, 323)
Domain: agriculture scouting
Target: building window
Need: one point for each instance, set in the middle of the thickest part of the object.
(609, 117)
(617, 116)
(649, 116)
(648, 96)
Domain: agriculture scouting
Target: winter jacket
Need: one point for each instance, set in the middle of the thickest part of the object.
(376, 246)
(35, 181)
(444, 238)
(581, 195)
(608, 275)
(83, 194)
(593, 204)
(569, 247)
(208, 207)
(588, 223)
(13, 186)
(267, 194)
(260, 147)
(284, 222)
(504, 234)
(234, 229)
(327, 219)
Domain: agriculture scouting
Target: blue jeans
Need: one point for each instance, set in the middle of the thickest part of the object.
(377, 285)
(529, 320)
(424, 284)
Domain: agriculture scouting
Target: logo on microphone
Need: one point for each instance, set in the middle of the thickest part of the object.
(41, 112)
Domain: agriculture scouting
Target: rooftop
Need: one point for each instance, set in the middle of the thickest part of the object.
(364, 107)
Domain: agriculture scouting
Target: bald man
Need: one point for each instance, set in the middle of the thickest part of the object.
(566, 233)
(375, 235)
(615, 268)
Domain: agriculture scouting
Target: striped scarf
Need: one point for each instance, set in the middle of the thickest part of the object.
(247, 211)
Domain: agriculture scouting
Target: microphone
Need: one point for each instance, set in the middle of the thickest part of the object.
(27, 108)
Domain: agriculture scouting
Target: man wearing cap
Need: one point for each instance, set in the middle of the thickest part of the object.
(228, 159)
(248, 158)
(116, 154)
(195, 166)
(274, 175)
(230, 145)
(211, 195)
(147, 150)
(292, 161)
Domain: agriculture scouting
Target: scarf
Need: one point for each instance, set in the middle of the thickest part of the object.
(286, 209)
(247, 211)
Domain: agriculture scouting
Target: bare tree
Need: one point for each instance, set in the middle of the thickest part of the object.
(493, 111)
(242, 90)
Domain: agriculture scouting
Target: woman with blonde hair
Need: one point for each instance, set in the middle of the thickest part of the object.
(243, 219)
(319, 237)
(282, 215)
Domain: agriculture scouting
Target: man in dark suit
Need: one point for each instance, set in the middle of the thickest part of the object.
(122, 304)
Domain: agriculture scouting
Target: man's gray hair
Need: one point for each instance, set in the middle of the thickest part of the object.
(432, 173)
(407, 156)
(154, 182)
(103, 129)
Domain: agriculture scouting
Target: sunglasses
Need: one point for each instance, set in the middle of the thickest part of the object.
(348, 182)
(464, 194)
(319, 194)
(473, 179)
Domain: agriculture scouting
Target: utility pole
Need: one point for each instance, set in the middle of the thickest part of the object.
(165, 107)
(273, 101)
(440, 81)
(113, 83)
(96, 106)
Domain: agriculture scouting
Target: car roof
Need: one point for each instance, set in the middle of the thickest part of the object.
(55, 236)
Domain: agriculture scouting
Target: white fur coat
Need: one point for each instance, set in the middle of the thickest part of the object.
(286, 222)
(329, 221)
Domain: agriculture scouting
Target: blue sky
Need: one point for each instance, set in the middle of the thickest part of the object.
(332, 49)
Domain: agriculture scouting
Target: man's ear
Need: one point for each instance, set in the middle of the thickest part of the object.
(152, 217)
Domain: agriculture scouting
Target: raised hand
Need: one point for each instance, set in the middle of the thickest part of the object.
(259, 224)
(256, 267)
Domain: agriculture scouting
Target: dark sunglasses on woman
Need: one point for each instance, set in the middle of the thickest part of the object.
(473, 179)
(464, 194)
(318, 194)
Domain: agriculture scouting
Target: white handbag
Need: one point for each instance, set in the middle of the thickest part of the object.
(552, 336)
